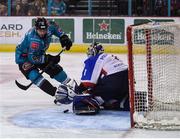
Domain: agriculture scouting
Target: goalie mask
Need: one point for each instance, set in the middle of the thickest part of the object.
(94, 49)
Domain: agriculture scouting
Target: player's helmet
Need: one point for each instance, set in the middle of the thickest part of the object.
(94, 49)
(41, 23)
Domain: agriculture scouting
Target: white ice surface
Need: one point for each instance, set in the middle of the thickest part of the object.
(32, 114)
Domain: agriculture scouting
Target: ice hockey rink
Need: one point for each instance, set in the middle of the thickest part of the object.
(32, 113)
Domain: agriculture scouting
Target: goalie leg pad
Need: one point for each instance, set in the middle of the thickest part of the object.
(85, 105)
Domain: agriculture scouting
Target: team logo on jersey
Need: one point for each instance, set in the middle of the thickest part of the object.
(34, 45)
(26, 66)
(36, 58)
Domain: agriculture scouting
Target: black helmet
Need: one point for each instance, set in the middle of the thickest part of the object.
(41, 23)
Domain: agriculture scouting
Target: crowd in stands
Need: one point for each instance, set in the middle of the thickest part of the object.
(26, 7)
(61, 7)
(156, 8)
(37, 7)
(33, 7)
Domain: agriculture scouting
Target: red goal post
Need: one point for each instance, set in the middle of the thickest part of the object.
(154, 75)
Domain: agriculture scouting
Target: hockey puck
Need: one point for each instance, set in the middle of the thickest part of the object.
(55, 101)
(65, 111)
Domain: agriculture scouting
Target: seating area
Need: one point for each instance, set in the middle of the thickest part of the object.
(89, 8)
(99, 7)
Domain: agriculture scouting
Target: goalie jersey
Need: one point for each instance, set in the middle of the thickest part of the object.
(98, 66)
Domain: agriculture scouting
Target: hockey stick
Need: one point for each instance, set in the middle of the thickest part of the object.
(25, 87)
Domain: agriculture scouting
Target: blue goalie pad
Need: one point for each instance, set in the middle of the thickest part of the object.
(85, 105)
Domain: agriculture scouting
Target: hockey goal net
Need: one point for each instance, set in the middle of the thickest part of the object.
(154, 75)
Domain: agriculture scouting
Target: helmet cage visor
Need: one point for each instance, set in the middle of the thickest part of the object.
(94, 49)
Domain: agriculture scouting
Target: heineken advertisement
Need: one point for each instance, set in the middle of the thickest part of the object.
(103, 30)
(143, 21)
(158, 36)
(67, 25)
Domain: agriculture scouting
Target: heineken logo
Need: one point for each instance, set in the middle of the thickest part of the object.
(103, 26)
(157, 36)
(96, 35)
(103, 30)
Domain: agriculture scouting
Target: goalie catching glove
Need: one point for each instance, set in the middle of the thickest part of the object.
(65, 42)
(66, 92)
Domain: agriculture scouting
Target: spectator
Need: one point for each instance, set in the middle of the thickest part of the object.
(43, 11)
(175, 7)
(58, 7)
(15, 2)
(18, 10)
(31, 12)
(146, 8)
(16, 6)
(3, 10)
(24, 7)
(139, 11)
(159, 8)
(37, 6)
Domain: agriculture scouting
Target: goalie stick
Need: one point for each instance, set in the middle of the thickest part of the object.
(25, 87)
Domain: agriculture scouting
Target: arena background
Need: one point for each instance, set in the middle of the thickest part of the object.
(111, 31)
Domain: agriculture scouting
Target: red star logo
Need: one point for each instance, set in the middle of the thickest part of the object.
(103, 26)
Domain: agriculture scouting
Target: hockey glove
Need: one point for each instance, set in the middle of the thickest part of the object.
(53, 59)
(65, 42)
(64, 95)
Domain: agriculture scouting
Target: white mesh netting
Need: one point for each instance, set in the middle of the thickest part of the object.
(156, 64)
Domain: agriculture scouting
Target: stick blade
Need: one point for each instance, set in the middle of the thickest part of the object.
(22, 86)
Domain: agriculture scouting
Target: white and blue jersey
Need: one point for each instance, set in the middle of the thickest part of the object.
(106, 76)
(100, 66)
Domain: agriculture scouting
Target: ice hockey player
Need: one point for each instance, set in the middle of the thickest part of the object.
(31, 57)
(104, 83)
